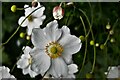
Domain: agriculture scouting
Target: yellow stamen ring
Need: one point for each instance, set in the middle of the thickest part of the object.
(54, 50)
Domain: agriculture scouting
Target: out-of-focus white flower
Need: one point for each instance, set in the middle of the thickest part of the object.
(58, 12)
(34, 20)
(113, 72)
(4, 73)
(25, 62)
(53, 49)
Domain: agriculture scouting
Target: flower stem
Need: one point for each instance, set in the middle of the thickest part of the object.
(93, 66)
(18, 28)
(91, 17)
(109, 33)
(85, 44)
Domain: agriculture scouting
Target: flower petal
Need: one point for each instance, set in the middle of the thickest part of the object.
(28, 11)
(26, 70)
(40, 62)
(73, 68)
(32, 74)
(52, 31)
(25, 6)
(39, 21)
(67, 58)
(26, 51)
(5, 72)
(65, 30)
(58, 68)
(38, 38)
(71, 76)
(71, 44)
(22, 63)
(39, 12)
(25, 23)
(30, 28)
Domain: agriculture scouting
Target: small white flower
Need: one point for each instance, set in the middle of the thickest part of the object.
(58, 12)
(25, 62)
(34, 20)
(53, 49)
(4, 73)
(73, 68)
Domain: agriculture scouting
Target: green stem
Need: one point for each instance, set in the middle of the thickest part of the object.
(68, 18)
(108, 39)
(20, 8)
(85, 43)
(109, 33)
(91, 17)
(93, 66)
(18, 28)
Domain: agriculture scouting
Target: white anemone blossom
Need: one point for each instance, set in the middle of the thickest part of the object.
(34, 20)
(4, 73)
(53, 49)
(25, 62)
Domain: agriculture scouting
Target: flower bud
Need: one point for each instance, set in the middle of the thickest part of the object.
(22, 35)
(97, 44)
(34, 3)
(89, 76)
(13, 8)
(112, 40)
(111, 32)
(58, 12)
(82, 38)
(102, 46)
(91, 42)
(108, 26)
(28, 37)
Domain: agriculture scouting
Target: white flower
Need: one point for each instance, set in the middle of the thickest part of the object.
(34, 20)
(73, 68)
(25, 62)
(58, 12)
(113, 72)
(53, 49)
(4, 73)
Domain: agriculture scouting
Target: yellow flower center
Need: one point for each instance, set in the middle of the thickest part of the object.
(30, 18)
(30, 60)
(54, 49)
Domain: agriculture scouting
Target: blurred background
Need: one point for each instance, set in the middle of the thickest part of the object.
(99, 15)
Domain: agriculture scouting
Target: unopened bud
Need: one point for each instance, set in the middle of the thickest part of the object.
(91, 42)
(13, 8)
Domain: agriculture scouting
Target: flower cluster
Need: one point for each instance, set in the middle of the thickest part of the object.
(53, 47)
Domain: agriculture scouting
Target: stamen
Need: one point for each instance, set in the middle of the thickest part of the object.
(30, 18)
(54, 49)
(30, 60)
